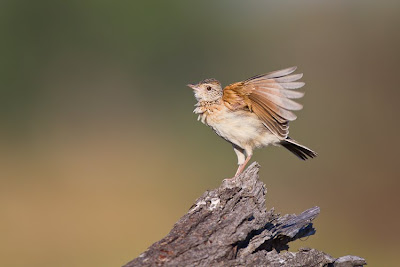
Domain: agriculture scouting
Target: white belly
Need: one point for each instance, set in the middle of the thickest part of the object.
(241, 128)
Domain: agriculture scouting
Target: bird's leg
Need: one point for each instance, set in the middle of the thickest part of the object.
(242, 161)
(238, 170)
(242, 166)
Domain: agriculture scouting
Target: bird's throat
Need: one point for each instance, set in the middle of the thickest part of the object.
(206, 108)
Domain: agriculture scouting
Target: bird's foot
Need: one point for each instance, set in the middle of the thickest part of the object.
(229, 180)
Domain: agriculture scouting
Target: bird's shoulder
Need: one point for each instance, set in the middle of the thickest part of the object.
(236, 96)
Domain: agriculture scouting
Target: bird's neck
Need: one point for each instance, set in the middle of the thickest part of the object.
(207, 106)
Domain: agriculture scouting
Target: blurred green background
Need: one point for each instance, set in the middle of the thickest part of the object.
(101, 153)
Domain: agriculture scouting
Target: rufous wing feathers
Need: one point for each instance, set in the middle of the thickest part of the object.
(269, 96)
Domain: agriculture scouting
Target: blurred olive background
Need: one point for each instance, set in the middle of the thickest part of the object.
(101, 153)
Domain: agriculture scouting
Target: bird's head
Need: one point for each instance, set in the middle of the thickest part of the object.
(207, 90)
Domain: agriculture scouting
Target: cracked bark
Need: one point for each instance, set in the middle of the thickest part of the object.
(230, 226)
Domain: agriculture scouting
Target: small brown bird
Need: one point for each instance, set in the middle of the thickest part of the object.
(252, 113)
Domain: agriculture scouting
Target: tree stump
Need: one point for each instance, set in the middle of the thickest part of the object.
(230, 226)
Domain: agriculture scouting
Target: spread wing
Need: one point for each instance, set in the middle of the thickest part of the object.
(269, 97)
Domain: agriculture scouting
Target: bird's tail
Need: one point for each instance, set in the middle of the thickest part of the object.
(300, 151)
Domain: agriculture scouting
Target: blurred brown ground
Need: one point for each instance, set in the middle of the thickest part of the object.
(101, 153)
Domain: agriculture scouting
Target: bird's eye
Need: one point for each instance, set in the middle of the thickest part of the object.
(208, 88)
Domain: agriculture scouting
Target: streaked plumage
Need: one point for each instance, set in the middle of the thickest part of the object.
(253, 113)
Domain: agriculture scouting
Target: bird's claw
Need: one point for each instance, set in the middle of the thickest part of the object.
(230, 180)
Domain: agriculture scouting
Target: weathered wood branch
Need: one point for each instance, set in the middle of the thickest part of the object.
(230, 226)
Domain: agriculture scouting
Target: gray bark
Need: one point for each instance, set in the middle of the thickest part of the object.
(230, 226)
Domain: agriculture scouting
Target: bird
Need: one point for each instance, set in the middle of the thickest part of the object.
(253, 113)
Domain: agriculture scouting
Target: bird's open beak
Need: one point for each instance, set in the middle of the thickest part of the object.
(193, 86)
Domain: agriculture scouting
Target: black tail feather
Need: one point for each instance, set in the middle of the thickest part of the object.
(300, 151)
